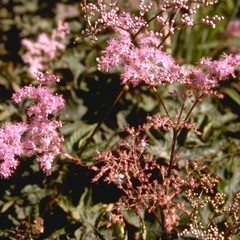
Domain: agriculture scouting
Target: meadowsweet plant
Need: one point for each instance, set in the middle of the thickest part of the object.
(174, 190)
(138, 52)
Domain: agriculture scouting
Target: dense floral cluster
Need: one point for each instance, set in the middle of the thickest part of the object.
(132, 170)
(40, 135)
(145, 62)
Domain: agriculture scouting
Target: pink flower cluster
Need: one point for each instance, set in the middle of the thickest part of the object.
(145, 62)
(145, 183)
(40, 135)
(138, 54)
(10, 146)
(45, 49)
(142, 63)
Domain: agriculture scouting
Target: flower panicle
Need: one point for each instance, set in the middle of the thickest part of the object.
(40, 136)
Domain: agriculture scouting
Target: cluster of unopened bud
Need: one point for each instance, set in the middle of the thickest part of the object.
(144, 8)
(204, 233)
(210, 22)
(45, 77)
(100, 16)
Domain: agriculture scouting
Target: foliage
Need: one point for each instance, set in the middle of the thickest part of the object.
(67, 204)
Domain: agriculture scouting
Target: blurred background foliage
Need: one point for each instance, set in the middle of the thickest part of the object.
(72, 207)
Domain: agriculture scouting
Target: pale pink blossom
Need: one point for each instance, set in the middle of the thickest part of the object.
(44, 49)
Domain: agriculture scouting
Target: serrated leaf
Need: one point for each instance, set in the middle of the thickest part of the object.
(90, 215)
(147, 103)
(68, 207)
(74, 111)
(90, 150)
(89, 212)
(78, 136)
(154, 231)
(71, 60)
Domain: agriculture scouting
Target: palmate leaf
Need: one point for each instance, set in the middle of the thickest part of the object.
(74, 111)
(131, 218)
(88, 212)
(71, 60)
(153, 230)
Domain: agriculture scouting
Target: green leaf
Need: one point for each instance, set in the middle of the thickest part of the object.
(98, 235)
(7, 205)
(119, 231)
(68, 207)
(153, 230)
(7, 110)
(131, 217)
(91, 215)
(78, 137)
(232, 93)
(90, 151)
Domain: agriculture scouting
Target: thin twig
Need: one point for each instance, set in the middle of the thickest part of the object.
(161, 101)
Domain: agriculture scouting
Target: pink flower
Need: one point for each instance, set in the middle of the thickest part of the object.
(45, 49)
(10, 146)
(46, 161)
(40, 135)
(171, 218)
(219, 69)
(143, 63)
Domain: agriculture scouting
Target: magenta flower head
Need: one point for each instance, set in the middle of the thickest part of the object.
(40, 136)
